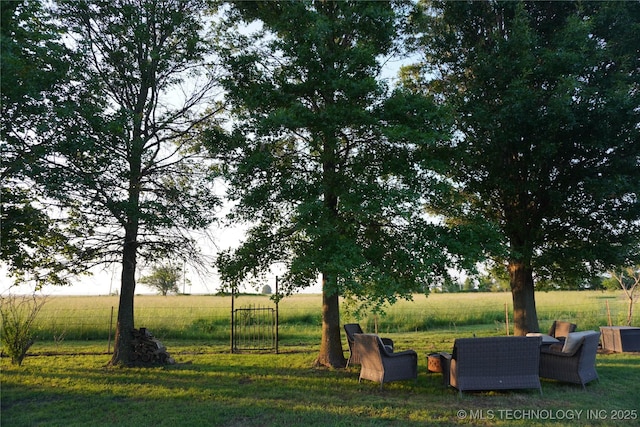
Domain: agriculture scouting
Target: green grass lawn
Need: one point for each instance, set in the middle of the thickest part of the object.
(66, 383)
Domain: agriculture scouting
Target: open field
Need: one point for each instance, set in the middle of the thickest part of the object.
(64, 382)
(205, 317)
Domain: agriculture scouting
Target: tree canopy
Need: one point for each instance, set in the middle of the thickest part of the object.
(545, 96)
(118, 154)
(35, 99)
(326, 163)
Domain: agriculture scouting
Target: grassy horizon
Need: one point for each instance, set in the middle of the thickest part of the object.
(207, 317)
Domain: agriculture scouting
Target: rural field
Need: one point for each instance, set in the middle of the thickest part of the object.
(64, 382)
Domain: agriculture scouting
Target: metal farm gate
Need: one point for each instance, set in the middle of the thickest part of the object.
(254, 328)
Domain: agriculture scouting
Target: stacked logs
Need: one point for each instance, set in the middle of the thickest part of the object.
(147, 350)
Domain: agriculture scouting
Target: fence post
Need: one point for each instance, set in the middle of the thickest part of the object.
(506, 316)
(277, 314)
(110, 328)
(233, 297)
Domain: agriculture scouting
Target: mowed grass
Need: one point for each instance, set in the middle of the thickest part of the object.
(65, 382)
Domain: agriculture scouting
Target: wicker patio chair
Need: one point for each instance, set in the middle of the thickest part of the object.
(560, 329)
(354, 328)
(495, 363)
(380, 365)
(575, 363)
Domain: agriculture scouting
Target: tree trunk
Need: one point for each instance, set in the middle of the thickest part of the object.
(525, 316)
(331, 353)
(123, 347)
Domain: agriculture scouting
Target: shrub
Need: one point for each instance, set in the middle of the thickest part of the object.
(18, 316)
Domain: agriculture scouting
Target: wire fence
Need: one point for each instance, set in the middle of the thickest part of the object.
(99, 322)
(214, 323)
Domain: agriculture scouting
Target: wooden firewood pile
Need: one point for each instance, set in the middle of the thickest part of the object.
(148, 350)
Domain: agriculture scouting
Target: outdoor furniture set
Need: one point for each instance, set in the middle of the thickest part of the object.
(488, 363)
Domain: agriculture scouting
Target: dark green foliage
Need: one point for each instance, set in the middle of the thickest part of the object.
(329, 164)
(34, 247)
(109, 140)
(35, 100)
(549, 125)
(546, 104)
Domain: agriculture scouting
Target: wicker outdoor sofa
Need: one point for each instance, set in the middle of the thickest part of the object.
(495, 363)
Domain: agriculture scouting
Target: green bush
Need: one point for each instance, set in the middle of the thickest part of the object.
(18, 316)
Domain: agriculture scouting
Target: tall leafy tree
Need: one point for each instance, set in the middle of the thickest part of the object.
(125, 168)
(35, 97)
(547, 110)
(324, 163)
